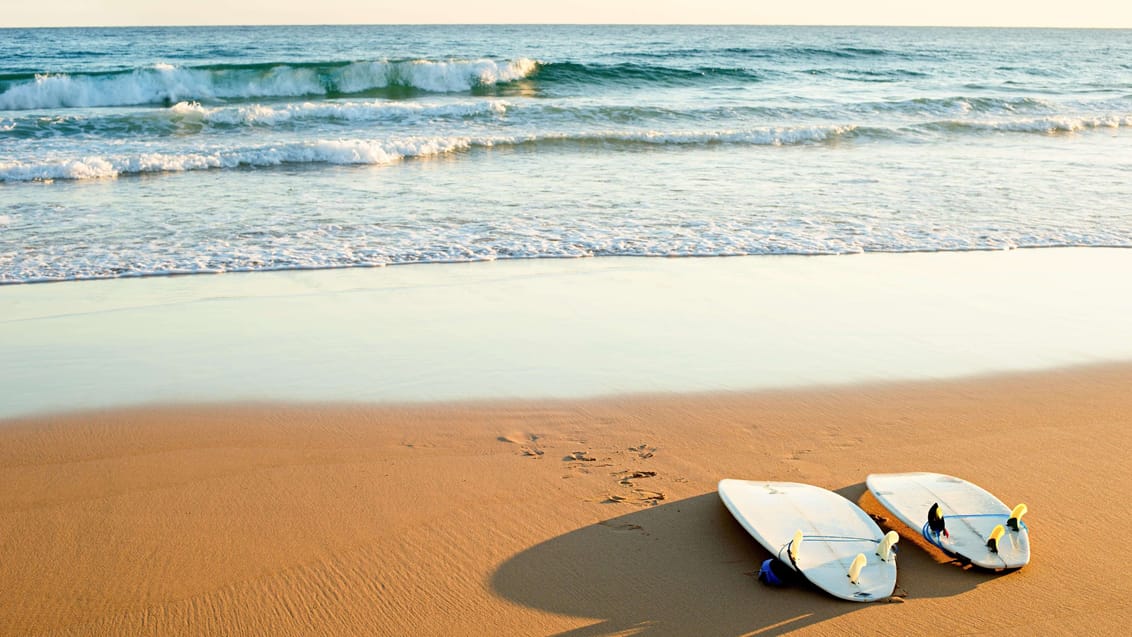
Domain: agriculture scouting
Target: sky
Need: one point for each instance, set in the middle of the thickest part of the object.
(1080, 13)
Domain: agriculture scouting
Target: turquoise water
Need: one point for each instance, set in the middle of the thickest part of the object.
(144, 151)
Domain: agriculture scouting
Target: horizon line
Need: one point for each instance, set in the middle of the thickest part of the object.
(567, 24)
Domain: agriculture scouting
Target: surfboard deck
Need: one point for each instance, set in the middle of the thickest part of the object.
(834, 530)
(970, 513)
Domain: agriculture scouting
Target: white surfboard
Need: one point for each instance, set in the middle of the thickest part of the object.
(837, 548)
(970, 516)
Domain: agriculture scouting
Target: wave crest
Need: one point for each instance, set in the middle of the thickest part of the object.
(1040, 125)
(166, 84)
(388, 151)
(318, 152)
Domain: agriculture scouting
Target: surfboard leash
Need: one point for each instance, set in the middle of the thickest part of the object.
(933, 529)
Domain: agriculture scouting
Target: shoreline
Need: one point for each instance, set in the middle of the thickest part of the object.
(537, 402)
(558, 328)
(577, 517)
(508, 259)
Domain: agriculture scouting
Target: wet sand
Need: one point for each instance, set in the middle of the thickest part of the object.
(558, 328)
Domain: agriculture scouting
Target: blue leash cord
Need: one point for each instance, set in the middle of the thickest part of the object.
(933, 537)
(824, 538)
(839, 538)
(766, 574)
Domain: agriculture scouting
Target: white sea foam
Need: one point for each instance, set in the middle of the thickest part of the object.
(524, 237)
(164, 83)
(392, 149)
(451, 76)
(147, 86)
(323, 151)
(271, 115)
(1063, 124)
(357, 151)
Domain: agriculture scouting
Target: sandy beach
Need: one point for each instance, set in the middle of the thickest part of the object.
(595, 517)
(356, 324)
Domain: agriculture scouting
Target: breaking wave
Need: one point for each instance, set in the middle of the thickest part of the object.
(377, 152)
(167, 84)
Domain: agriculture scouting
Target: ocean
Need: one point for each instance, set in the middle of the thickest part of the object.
(130, 152)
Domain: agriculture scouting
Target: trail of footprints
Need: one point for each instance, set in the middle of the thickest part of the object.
(629, 484)
(628, 488)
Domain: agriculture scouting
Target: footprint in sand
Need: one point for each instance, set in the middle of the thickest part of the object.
(622, 526)
(649, 498)
(579, 456)
(798, 453)
(644, 497)
(643, 451)
(581, 462)
(636, 475)
(641, 497)
(527, 444)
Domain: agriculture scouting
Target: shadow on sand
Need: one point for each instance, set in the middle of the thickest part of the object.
(687, 568)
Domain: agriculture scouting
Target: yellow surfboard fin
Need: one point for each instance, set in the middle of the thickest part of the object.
(794, 544)
(856, 567)
(886, 549)
(995, 536)
(1016, 517)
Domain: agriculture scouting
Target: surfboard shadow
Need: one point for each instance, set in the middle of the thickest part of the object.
(682, 568)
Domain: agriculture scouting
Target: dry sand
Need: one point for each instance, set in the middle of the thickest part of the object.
(581, 518)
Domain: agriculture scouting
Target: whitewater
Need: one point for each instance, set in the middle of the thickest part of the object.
(150, 151)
